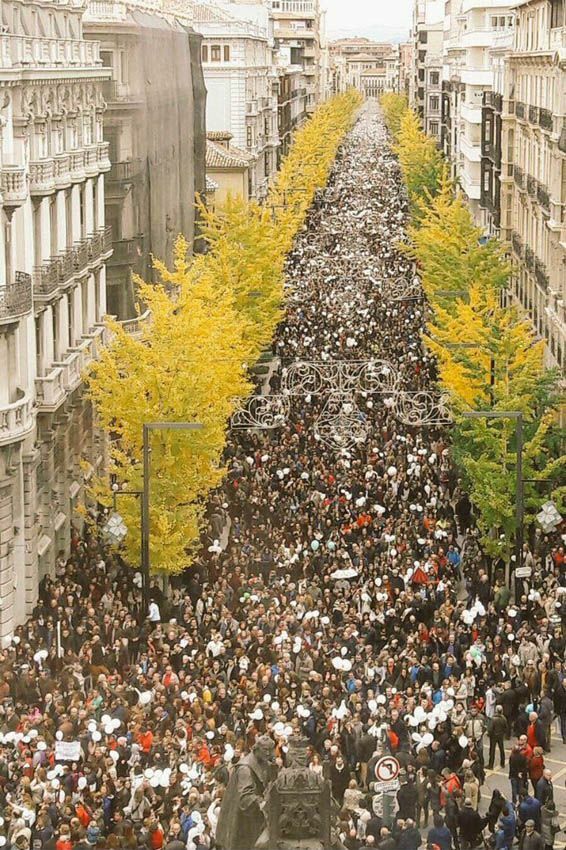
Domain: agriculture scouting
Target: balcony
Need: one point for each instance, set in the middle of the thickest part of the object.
(541, 276)
(61, 271)
(134, 327)
(14, 185)
(70, 370)
(90, 160)
(50, 390)
(23, 51)
(103, 156)
(520, 110)
(42, 177)
(543, 198)
(124, 172)
(127, 252)
(295, 7)
(15, 298)
(529, 258)
(16, 418)
(62, 170)
(519, 177)
(119, 95)
(533, 114)
(545, 119)
(77, 166)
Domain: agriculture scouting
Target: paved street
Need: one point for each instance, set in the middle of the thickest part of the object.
(323, 624)
(556, 761)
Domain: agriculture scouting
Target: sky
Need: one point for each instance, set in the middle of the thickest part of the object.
(368, 17)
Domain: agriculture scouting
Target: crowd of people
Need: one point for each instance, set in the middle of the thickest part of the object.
(341, 597)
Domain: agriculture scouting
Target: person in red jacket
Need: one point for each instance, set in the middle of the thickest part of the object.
(536, 766)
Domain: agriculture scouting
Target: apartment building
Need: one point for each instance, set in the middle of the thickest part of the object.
(241, 82)
(406, 54)
(291, 100)
(475, 33)
(155, 128)
(53, 248)
(533, 185)
(368, 66)
(425, 81)
(298, 26)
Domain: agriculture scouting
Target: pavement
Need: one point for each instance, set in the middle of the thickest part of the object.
(555, 760)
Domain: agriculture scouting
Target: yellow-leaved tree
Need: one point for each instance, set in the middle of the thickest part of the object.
(210, 318)
(186, 366)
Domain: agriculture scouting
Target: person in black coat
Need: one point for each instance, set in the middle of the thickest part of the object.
(470, 824)
(407, 801)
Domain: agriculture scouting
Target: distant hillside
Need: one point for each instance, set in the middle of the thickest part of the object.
(378, 32)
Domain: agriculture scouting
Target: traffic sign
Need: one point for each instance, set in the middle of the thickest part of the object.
(387, 769)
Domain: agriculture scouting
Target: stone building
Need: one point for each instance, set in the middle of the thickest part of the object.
(53, 247)
(474, 35)
(298, 25)
(291, 100)
(371, 67)
(227, 166)
(406, 54)
(425, 82)
(533, 170)
(241, 82)
(155, 128)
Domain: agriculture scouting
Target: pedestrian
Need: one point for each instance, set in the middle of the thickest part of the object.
(497, 732)
(531, 839)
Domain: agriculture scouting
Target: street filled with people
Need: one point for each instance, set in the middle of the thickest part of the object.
(341, 595)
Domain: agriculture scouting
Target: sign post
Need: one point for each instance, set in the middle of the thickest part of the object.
(386, 787)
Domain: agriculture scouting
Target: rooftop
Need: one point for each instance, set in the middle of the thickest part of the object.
(218, 156)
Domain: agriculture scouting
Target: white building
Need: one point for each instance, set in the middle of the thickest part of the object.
(298, 25)
(472, 28)
(425, 82)
(241, 81)
(53, 245)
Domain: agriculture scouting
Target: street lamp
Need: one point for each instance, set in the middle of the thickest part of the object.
(517, 417)
(148, 427)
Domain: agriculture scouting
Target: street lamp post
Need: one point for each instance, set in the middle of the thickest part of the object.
(517, 417)
(148, 427)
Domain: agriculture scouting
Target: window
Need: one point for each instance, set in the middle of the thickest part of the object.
(226, 52)
(204, 52)
(423, 36)
(556, 13)
(249, 137)
(434, 78)
(434, 128)
(434, 102)
(215, 53)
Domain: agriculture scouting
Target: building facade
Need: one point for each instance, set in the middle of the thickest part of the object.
(298, 26)
(241, 82)
(155, 175)
(425, 81)
(533, 203)
(474, 43)
(228, 167)
(53, 248)
(371, 67)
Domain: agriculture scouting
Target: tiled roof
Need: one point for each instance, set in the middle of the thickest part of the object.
(211, 186)
(217, 156)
